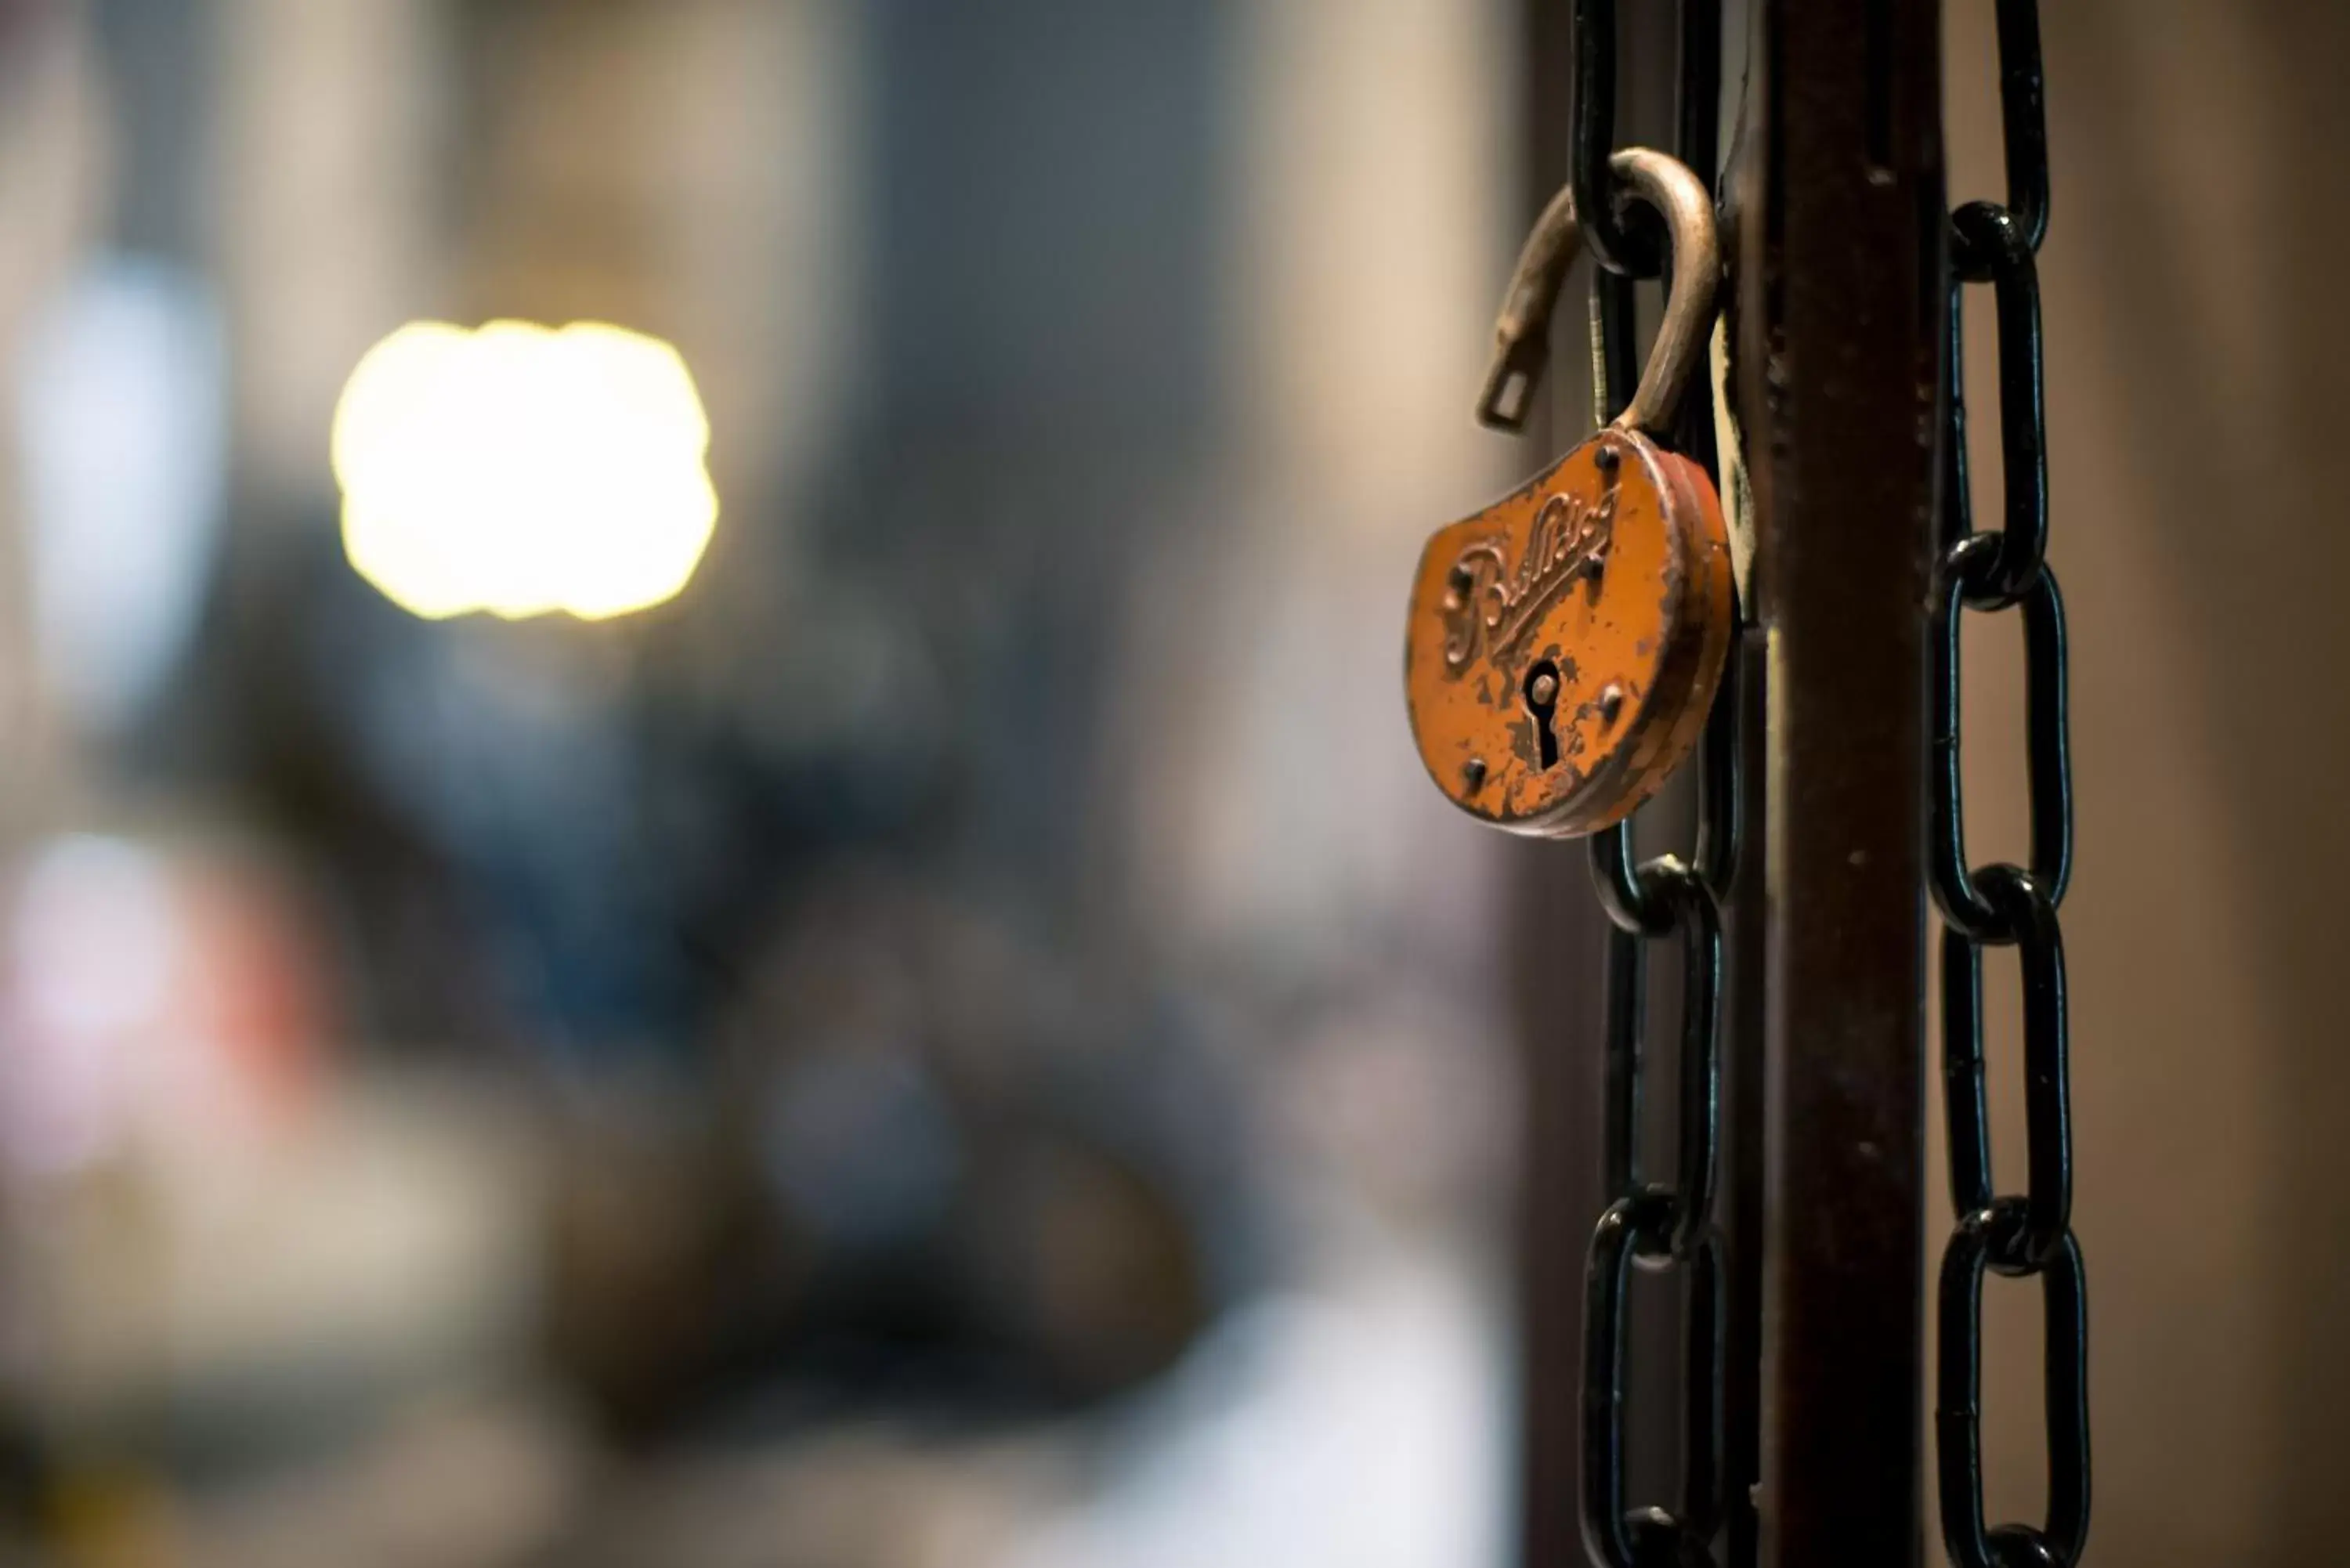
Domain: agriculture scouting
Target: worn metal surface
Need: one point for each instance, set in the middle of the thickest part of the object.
(1564, 645)
(1838, 268)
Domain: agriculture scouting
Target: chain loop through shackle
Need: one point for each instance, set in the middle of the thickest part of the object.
(2002, 904)
(1521, 332)
(1665, 899)
(1630, 249)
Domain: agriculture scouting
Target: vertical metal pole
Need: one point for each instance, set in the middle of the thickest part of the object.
(1838, 331)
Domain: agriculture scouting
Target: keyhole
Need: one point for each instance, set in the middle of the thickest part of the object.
(1541, 702)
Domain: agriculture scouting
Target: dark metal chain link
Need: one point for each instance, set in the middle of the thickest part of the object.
(1647, 1224)
(2003, 904)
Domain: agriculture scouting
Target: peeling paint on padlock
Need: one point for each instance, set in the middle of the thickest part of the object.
(1563, 642)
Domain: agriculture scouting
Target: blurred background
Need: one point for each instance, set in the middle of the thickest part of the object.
(901, 997)
(952, 1036)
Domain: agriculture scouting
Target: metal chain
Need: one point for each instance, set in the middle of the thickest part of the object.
(2004, 905)
(1647, 1224)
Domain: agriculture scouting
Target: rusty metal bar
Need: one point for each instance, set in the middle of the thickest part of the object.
(1838, 325)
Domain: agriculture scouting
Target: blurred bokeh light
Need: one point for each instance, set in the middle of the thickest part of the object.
(520, 471)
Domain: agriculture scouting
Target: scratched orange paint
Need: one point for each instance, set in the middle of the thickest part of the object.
(1598, 595)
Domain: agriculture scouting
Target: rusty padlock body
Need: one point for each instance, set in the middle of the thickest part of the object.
(1564, 645)
(1566, 642)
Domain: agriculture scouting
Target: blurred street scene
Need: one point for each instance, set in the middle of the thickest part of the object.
(802, 934)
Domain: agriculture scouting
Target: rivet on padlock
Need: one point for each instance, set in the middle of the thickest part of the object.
(1564, 645)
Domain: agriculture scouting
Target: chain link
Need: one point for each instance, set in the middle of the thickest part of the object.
(1646, 1225)
(2003, 904)
(1631, 249)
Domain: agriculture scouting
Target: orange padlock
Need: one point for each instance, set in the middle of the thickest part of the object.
(1563, 646)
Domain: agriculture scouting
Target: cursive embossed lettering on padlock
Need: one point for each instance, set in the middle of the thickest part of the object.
(1563, 645)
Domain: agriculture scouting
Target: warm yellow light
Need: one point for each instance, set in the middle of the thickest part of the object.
(521, 470)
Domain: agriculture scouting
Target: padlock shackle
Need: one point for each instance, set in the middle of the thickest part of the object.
(1521, 332)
